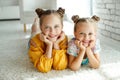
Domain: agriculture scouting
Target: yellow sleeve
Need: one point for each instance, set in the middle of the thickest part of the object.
(43, 64)
(64, 44)
(60, 59)
(36, 54)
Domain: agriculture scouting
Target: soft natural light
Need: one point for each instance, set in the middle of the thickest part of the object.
(82, 8)
(111, 70)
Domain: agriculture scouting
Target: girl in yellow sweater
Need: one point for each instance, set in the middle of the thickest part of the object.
(51, 44)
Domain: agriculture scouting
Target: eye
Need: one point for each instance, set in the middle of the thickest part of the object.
(81, 33)
(56, 26)
(90, 33)
(46, 27)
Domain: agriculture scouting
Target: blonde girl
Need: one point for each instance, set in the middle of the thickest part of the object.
(84, 47)
(50, 46)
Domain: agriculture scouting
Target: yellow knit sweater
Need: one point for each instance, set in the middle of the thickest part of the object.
(59, 58)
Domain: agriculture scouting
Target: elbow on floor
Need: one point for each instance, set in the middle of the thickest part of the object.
(96, 66)
(74, 68)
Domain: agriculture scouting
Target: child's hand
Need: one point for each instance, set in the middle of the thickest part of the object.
(92, 44)
(61, 37)
(45, 39)
(56, 43)
(80, 45)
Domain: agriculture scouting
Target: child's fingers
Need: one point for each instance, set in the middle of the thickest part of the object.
(92, 43)
(62, 35)
(82, 47)
(77, 43)
(42, 37)
(48, 37)
(46, 34)
(81, 43)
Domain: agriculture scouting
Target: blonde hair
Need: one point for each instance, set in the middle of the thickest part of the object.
(76, 19)
(42, 13)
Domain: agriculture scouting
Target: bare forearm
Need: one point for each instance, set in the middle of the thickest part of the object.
(76, 64)
(49, 51)
(56, 46)
(94, 63)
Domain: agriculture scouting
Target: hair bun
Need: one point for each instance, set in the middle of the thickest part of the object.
(61, 11)
(39, 12)
(95, 18)
(75, 18)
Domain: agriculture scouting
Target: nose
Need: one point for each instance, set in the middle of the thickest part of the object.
(86, 37)
(52, 30)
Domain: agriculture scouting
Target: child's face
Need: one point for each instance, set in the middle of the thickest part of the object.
(85, 32)
(52, 26)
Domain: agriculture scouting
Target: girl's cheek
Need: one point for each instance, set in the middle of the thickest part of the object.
(93, 37)
(46, 32)
(80, 38)
(57, 30)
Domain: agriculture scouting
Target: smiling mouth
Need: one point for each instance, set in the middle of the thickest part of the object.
(86, 42)
(52, 36)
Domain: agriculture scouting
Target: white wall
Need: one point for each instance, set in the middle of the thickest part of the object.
(76, 7)
(109, 25)
(9, 9)
(33, 4)
(109, 12)
(4, 3)
(72, 7)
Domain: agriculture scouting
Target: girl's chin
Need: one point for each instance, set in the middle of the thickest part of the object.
(85, 44)
(53, 39)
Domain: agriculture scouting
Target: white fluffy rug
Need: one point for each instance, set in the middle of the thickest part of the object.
(15, 64)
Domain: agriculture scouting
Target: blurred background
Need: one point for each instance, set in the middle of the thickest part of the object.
(107, 10)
